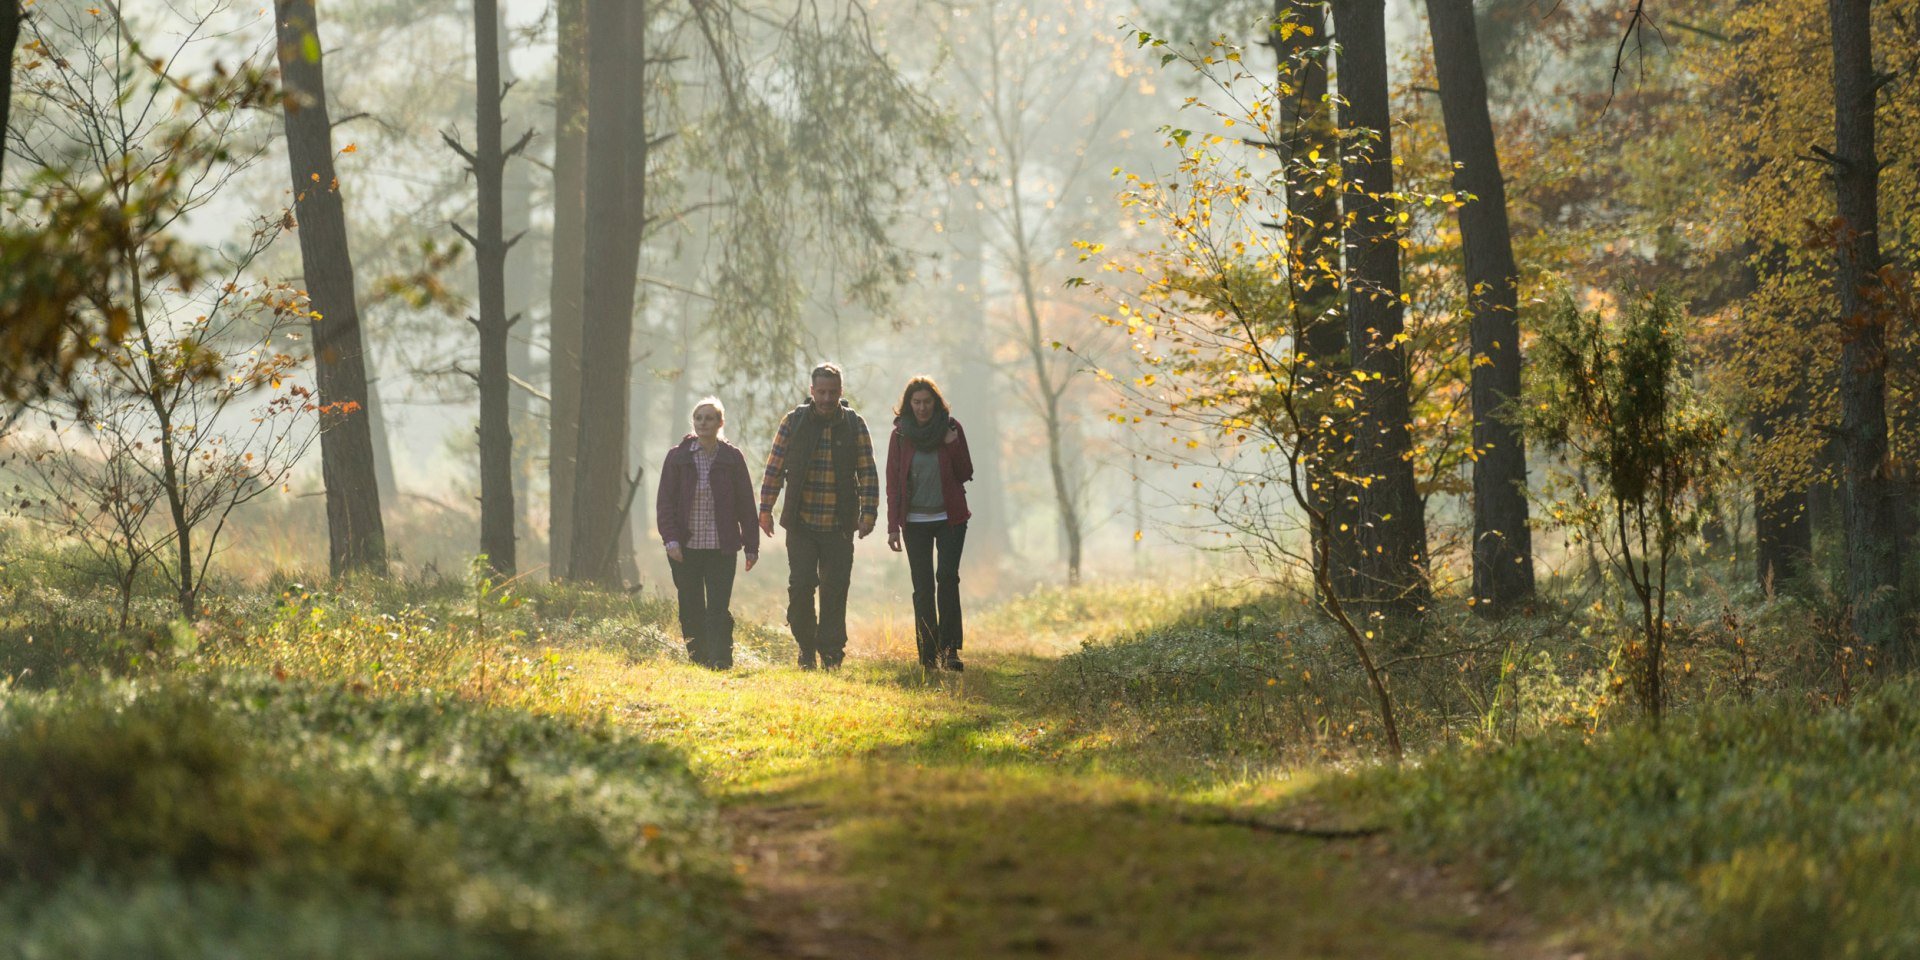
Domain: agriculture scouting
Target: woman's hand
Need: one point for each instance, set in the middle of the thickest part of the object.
(893, 541)
(675, 554)
(752, 558)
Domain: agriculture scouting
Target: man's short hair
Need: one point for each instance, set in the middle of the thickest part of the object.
(830, 371)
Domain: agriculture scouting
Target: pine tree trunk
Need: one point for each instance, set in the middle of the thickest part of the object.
(377, 435)
(1502, 543)
(490, 260)
(1392, 527)
(1312, 234)
(517, 216)
(1873, 551)
(616, 162)
(9, 36)
(356, 539)
(568, 280)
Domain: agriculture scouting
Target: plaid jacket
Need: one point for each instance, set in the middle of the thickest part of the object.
(817, 492)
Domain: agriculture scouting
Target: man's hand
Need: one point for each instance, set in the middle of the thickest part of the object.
(953, 433)
(766, 524)
(866, 527)
(676, 554)
(893, 541)
(752, 558)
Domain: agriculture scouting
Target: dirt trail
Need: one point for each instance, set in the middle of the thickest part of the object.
(796, 897)
(960, 844)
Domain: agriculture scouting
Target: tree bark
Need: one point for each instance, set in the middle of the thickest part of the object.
(1873, 550)
(616, 164)
(489, 241)
(1502, 543)
(567, 282)
(1392, 528)
(377, 434)
(978, 396)
(1312, 235)
(9, 36)
(1050, 414)
(517, 221)
(356, 539)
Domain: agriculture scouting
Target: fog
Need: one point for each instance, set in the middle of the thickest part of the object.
(1013, 124)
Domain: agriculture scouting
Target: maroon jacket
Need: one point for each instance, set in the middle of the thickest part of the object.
(956, 468)
(734, 510)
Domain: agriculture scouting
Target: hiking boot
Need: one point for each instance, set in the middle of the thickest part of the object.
(950, 660)
(806, 659)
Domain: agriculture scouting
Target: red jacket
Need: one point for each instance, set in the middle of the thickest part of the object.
(734, 510)
(956, 468)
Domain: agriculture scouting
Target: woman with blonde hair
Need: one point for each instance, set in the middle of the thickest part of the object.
(705, 513)
(928, 466)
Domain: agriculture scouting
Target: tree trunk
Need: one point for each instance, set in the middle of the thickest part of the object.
(489, 161)
(9, 36)
(356, 539)
(1782, 521)
(1782, 512)
(616, 163)
(1392, 528)
(568, 280)
(1311, 231)
(1502, 543)
(377, 434)
(1873, 556)
(517, 221)
(978, 395)
(1036, 344)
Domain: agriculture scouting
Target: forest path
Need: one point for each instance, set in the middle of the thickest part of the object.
(881, 812)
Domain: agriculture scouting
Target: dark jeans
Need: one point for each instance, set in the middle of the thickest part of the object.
(705, 583)
(937, 625)
(822, 561)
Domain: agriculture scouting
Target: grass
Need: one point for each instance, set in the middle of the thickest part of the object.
(1757, 831)
(253, 817)
(979, 827)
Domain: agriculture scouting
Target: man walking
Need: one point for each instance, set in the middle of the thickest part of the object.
(824, 457)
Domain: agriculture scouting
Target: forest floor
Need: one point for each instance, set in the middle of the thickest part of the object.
(884, 812)
(1123, 771)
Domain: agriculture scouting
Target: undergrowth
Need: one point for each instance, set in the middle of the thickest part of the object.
(1770, 830)
(253, 817)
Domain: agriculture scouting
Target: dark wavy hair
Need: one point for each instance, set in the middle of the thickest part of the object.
(922, 382)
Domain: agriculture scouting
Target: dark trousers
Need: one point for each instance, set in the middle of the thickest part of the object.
(937, 626)
(704, 581)
(819, 561)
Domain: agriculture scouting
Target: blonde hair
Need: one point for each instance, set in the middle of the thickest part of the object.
(718, 407)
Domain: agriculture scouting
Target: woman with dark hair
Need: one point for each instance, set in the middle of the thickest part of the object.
(705, 513)
(927, 468)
